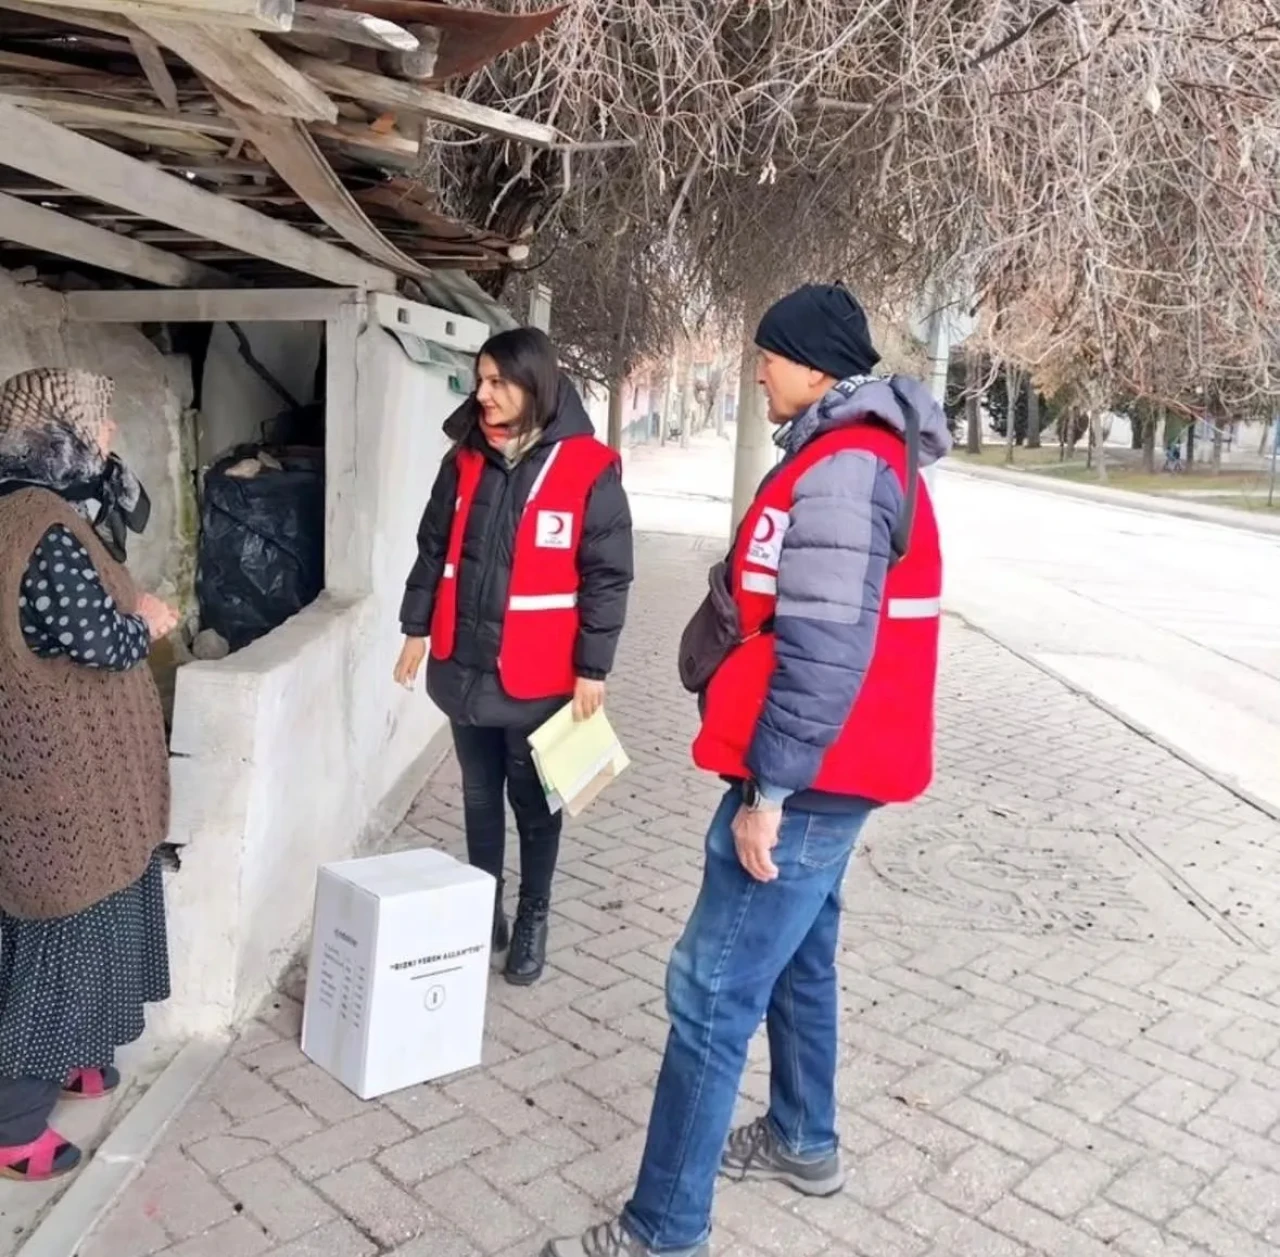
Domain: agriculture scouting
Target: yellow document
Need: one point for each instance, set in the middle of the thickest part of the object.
(576, 760)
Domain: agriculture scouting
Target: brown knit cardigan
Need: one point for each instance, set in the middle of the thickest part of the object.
(84, 761)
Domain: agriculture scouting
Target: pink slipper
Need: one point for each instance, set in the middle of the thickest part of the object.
(48, 1157)
(90, 1084)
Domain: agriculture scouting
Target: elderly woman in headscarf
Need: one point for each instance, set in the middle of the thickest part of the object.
(84, 776)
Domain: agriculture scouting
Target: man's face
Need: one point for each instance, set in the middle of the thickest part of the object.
(790, 387)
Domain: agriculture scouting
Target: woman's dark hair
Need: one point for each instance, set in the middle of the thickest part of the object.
(526, 356)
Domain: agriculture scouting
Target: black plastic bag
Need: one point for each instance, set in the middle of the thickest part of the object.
(261, 554)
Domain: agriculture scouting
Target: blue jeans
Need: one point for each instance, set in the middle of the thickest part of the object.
(751, 950)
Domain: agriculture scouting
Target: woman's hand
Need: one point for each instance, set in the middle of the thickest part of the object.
(160, 618)
(588, 698)
(412, 653)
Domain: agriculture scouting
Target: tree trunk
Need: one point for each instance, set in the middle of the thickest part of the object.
(617, 396)
(1012, 387)
(972, 404)
(619, 374)
(1149, 429)
(1191, 444)
(1218, 435)
(1033, 415)
(1098, 442)
(668, 390)
(753, 452)
(686, 399)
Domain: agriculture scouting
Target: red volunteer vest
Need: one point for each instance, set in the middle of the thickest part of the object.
(885, 750)
(540, 628)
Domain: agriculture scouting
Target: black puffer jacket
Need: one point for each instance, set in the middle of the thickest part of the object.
(466, 687)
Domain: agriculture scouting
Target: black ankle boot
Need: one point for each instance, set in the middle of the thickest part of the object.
(501, 931)
(528, 954)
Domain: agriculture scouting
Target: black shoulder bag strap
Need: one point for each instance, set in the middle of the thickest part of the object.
(901, 539)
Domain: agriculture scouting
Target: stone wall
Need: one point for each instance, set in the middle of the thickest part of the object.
(153, 393)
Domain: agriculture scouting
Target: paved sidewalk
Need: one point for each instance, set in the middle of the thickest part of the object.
(1061, 1022)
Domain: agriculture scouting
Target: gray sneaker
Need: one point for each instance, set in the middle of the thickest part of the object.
(610, 1239)
(755, 1152)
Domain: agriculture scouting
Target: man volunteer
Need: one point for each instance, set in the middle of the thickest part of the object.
(815, 656)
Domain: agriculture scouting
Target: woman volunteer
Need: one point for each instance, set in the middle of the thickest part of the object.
(524, 564)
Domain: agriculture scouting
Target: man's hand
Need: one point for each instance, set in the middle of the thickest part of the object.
(159, 616)
(412, 653)
(588, 698)
(755, 834)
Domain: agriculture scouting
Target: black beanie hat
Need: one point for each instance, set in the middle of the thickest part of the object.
(820, 326)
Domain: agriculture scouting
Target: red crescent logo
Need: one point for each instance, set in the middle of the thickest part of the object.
(765, 528)
(557, 525)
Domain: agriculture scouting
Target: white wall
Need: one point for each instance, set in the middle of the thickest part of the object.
(289, 751)
(152, 392)
(235, 401)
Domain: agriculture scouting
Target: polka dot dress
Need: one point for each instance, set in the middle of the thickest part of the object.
(73, 989)
(65, 610)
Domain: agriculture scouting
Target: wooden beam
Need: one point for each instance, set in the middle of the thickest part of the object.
(260, 15)
(79, 111)
(288, 146)
(375, 147)
(352, 28)
(418, 64)
(470, 37)
(21, 63)
(47, 151)
(104, 23)
(38, 228)
(361, 85)
(151, 59)
(243, 66)
(211, 305)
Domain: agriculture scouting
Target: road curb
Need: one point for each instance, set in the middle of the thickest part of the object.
(1144, 504)
(120, 1157)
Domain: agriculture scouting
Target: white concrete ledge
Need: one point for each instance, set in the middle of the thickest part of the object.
(286, 755)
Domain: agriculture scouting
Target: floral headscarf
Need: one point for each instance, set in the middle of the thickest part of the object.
(51, 426)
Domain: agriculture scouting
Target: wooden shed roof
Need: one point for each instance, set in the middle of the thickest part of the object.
(199, 143)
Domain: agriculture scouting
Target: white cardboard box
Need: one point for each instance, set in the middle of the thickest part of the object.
(399, 970)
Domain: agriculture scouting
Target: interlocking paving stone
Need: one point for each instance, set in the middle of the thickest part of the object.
(1061, 1033)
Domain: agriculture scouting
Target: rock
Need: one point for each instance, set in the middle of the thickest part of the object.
(210, 646)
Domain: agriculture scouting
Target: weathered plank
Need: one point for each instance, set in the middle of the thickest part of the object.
(151, 59)
(262, 15)
(243, 66)
(361, 85)
(289, 148)
(352, 28)
(210, 305)
(374, 146)
(79, 111)
(47, 151)
(470, 38)
(418, 64)
(51, 232)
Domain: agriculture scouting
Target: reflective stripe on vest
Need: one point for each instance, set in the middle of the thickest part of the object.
(914, 608)
(898, 608)
(543, 602)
